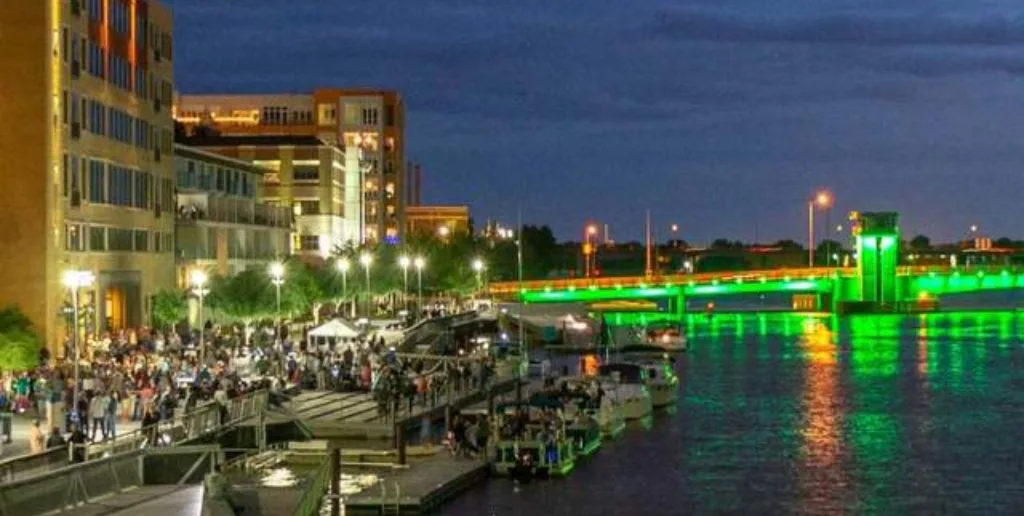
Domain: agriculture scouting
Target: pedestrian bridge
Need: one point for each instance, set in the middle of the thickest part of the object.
(829, 284)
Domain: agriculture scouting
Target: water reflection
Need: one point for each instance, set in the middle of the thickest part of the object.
(789, 414)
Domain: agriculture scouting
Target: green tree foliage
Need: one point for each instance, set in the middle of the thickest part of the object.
(303, 289)
(19, 345)
(244, 297)
(169, 308)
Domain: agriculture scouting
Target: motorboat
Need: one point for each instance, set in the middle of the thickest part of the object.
(581, 427)
(532, 440)
(665, 336)
(597, 399)
(626, 385)
(661, 380)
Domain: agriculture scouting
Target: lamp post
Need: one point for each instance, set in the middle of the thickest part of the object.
(588, 248)
(478, 266)
(197, 278)
(419, 263)
(343, 265)
(404, 262)
(823, 200)
(277, 278)
(75, 280)
(366, 259)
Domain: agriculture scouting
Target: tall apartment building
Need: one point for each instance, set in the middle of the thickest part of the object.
(222, 226)
(300, 173)
(369, 125)
(86, 165)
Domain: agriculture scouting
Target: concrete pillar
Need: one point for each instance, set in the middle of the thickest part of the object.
(335, 479)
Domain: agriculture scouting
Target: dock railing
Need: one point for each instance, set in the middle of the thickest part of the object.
(71, 486)
(201, 421)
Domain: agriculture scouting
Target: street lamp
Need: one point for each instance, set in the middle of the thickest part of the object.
(277, 278)
(419, 263)
(197, 278)
(366, 259)
(588, 248)
(443, 231)
(478, 266)
(343, 265)
(822, 200)
(404, 262)
(75, 280)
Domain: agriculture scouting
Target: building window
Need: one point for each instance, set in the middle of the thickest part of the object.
(97, 238)
(96, 182)
(309, 242)
(308, 207)
(352, 114)
(141, 240)
(74, 240)
(119, 239)
(369, 116)
(327, 114)
(306, 173)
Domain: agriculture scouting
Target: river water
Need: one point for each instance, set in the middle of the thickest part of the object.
(796, 414)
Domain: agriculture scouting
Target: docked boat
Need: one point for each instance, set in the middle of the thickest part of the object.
(532, 441)
(661, 380)
(626, 385)
(665, 336)
(601, 402)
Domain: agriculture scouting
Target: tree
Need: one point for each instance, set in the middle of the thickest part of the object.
(302, 290)
(920, 243)
(19, 344)
(244, 297)
(169, 308)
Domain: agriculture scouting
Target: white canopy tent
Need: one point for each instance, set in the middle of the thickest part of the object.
(331, 333)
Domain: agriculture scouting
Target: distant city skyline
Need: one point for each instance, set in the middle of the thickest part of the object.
(722, 118)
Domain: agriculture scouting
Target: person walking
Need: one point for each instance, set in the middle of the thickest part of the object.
(97, 413)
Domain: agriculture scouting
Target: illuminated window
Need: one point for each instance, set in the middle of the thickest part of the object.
(327, 114)
(309, 242)
(352, 114)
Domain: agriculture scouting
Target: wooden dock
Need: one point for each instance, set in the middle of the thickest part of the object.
(425, 486)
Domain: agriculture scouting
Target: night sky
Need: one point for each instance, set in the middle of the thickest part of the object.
(722, 116)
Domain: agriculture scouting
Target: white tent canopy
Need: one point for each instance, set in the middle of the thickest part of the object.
(331, 333)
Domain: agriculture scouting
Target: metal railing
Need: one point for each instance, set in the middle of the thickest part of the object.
(312, 498)
(200, 421)
(77, 484)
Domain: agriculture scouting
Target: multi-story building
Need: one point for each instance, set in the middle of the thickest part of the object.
(437, 219)
(222, 225)
(87, 170)
(300, 173)
(368, 124)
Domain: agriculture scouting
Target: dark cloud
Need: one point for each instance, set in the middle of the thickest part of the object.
(713, 115)
(842, 29)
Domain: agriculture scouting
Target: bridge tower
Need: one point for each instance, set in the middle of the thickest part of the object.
(878, 251)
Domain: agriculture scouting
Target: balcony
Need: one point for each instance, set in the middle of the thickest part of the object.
(205, 207)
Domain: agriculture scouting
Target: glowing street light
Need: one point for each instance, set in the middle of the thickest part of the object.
(419, 262)
(478, 266)
(443, 231)
(197, 278)
(277, 278)
(366, 260)
(76, 280)
(822, 200)
(404, 262)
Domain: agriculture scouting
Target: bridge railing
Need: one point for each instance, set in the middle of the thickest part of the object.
(511, 287)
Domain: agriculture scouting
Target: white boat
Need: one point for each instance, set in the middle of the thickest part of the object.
(665, 336)
(661, 381)
(611, 414)
(625, 385)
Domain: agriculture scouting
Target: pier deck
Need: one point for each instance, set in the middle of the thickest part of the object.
(148, 500)
(424, 486)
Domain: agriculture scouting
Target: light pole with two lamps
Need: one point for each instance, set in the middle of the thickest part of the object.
(76, 280)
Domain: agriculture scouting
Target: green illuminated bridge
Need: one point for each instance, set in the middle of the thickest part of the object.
(875, 284)
(828, 286)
